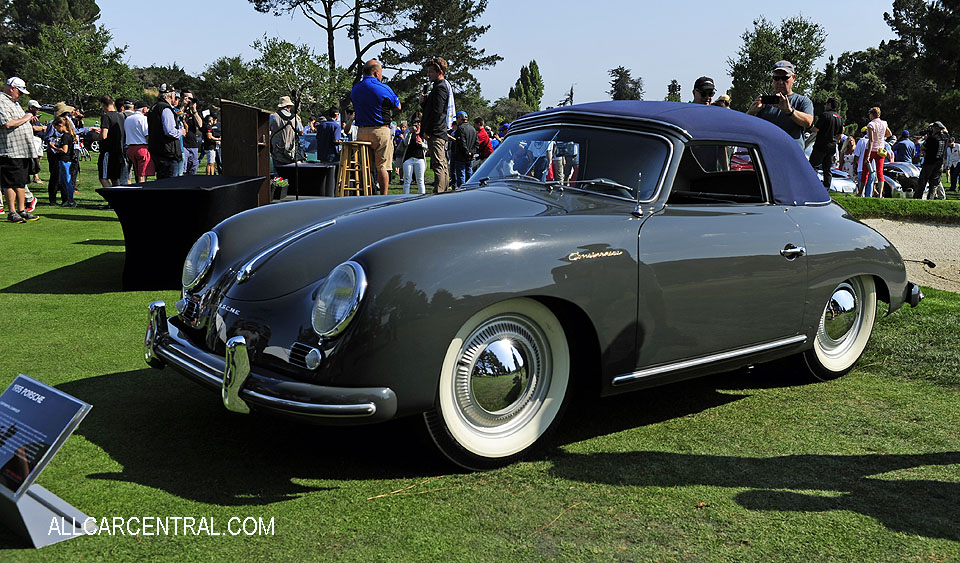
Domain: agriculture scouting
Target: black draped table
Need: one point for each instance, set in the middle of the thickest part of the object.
(162, 219)
(313, 178)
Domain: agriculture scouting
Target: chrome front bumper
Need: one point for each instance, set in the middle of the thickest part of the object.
(240, 388)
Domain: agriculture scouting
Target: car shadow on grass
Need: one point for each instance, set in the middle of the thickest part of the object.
(99, 274)
(796, 483)
(102, 242)
(172, 434)
(79, 217)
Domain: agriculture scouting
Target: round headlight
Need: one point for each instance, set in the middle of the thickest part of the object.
(199, 260)
(338, 299)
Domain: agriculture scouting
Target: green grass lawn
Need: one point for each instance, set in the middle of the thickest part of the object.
(751, 465)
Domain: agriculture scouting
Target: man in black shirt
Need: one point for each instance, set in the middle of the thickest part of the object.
(464, 147)
(934, 151)
(828, 128)
(191, 141)
(436, 121)
(111, 159)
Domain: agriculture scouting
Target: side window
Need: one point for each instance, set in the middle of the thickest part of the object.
(717, 173)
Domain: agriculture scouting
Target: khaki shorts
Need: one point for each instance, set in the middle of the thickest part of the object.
(382, 141)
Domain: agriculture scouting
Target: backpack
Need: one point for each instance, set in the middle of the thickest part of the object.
(282, 149)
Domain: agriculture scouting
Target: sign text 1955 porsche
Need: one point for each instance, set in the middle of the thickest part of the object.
(610, 244)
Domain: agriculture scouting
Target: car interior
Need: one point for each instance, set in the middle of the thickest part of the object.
(717, 173)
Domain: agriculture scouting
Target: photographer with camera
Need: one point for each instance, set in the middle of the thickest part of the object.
(192, 124)
(791, 112)
(934, 152)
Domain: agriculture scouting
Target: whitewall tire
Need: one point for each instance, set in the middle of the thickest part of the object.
(846, 323)
(502, 385)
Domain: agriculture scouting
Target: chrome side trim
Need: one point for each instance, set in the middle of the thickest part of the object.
(686, 364)
(250, 266)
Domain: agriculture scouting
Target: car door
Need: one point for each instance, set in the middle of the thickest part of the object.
(722, 269)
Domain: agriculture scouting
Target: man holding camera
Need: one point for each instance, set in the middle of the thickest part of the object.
(163, 139)
(192, 124)
(791, 112)
(934, 152)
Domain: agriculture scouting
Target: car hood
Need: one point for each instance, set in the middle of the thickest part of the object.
(310, 258)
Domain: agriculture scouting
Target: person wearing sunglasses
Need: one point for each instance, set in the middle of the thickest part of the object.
(792, 112)
(703, 90)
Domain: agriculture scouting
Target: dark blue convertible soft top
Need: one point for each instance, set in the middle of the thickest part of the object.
(792, 179)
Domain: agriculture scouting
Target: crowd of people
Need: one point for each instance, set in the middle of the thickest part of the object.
(166, 139)
(861, 157)
(135, 138)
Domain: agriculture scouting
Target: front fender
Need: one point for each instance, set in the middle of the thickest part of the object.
(424, 285)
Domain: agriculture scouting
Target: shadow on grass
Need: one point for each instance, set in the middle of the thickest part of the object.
(79, 217)
(172, 434)
(923, 507)
(98, 274)
(102, 242)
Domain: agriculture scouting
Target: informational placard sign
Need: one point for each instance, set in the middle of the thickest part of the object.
(35, 420)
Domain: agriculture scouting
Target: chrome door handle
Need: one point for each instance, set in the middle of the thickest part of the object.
(790, 251)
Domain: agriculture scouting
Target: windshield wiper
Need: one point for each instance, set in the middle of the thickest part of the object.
(605, 183)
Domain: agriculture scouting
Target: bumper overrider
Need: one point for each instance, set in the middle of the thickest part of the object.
(242, 389)
(912, 294)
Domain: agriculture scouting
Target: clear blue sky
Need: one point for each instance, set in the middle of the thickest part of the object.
(574, 42)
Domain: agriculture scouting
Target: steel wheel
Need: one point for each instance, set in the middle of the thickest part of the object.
(845, 327)
(502, 385)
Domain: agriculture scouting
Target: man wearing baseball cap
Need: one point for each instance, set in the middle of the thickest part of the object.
(17, 149)
(793, 112)
(934, 153)
(703, 90)
(463, 149)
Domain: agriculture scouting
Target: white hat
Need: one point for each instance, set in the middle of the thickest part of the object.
(33, 104)
(18, 83)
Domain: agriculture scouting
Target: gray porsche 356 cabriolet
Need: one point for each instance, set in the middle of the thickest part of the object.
(611, 246)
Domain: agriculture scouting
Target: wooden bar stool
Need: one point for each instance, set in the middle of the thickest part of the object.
(354, 177)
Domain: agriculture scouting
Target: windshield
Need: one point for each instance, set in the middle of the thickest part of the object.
(615, 163)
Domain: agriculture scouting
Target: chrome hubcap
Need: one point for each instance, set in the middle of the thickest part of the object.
(502, 374)
(841, 319)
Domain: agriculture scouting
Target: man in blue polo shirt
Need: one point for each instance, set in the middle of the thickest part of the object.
(373, 101)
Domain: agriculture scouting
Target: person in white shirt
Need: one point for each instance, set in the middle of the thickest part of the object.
(952, 162)
(864, 188)
(135, 127)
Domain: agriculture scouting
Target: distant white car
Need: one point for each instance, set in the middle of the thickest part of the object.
(840, 181)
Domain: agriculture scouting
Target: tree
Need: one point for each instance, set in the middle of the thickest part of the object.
(154, 76)
(623, 86)
(409, 32)
(228, 78)
(795, 39)
(529, 87)
(507, 109)
(286, 69)
(673, 92)
(928, 53)
(568, 99)
(21, 22)
(374, 19)
(77, 65)
(445, 28)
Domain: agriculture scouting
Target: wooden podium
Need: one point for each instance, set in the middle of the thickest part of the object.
(245, 144)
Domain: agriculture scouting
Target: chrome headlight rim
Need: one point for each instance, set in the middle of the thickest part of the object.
(214, 246)
(358, 291)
